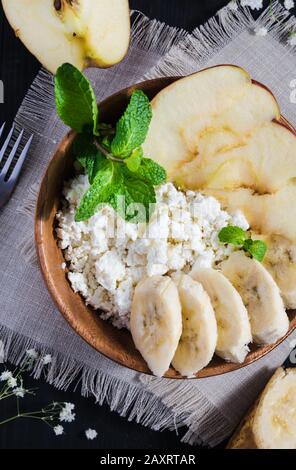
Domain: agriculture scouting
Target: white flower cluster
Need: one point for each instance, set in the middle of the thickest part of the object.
(261, 31)
(58, 430)
(107, 256)
(292, 39)
(7, 377)
(253, 4)
(47, 359)
(91, 434)
(32, 354)
(14, 384)
(66, 413)
(289, 4)
(62, 412)
(233, 5)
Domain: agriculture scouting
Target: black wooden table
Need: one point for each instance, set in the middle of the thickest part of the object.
(17, 70)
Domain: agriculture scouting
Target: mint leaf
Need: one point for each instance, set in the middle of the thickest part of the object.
(247, 244)
(132, 128)
(134, 161)
(232, 234)
(139, 198)
(151, 171)
(256, 248)
(87, 154)
(93, 164)
(75, 99)
(145, 168)
(82, 145)
(115, 185)
(99, 192)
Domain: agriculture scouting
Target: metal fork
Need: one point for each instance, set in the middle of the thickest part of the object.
(7, 184)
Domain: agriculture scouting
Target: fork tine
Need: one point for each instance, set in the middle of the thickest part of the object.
(11, 155)
(5, 145)
(2, 128)
(18, 166)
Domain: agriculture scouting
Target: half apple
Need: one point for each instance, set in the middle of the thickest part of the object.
(82, 32)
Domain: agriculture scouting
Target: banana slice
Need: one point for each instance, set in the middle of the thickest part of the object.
(199, 336)
(275, 418)
(261, 296)
(234, 330)
(156, 321)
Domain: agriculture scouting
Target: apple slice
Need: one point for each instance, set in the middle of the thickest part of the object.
(204, 114)
(268, 213)
(82, 32)
(264, 161)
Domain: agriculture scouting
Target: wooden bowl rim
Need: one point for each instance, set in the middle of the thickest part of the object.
(217, 370)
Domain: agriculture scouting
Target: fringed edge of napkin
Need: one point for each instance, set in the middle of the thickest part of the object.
(218, 32)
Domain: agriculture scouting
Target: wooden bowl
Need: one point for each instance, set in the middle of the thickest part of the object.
(108, 340)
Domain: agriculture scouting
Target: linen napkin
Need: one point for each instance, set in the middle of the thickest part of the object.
(210, 408)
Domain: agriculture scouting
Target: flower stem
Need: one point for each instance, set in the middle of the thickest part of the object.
(4, 396)
(29, 414)
(9, 419)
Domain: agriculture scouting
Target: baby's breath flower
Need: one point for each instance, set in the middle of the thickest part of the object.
(292, 39)
(6, 375)
(289, 4)
(12, 382)
(233, 5)
(261, 31)
(19, 392)
(32, 353)
(47, 359)
(66, 414)
(91, 434)
(253, 4)
(69, 406)
(59, 430)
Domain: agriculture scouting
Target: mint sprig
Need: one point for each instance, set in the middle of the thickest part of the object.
(113, 159)
(237, 236)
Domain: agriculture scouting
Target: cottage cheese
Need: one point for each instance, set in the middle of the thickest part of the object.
(107, 256)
